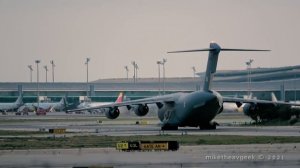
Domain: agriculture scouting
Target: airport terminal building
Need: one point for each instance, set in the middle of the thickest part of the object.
(283, 81)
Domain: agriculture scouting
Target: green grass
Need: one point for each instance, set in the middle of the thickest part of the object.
(110, 141)
(16, 133)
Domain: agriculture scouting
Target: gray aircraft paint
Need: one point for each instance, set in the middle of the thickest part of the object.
(200, 107)
(188, 109)
(12, 106)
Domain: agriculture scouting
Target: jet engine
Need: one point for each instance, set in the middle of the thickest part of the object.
(251, 110)
(267, 111)
(112, 113)
(165, 111)
(141, 110)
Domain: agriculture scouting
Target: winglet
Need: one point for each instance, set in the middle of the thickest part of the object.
(274, 99)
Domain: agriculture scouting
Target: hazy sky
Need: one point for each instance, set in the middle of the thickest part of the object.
(115, 32)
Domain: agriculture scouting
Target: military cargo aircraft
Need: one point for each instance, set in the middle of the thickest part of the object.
(45, 106)
(196, 109)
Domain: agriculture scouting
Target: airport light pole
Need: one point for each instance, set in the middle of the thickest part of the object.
(127, 70)
(136, 72)
(194, 71)
(194, 75)
(133, 63)
(158, 64)
(53, 65)
(46, 69)
(30, 71)
(164, 75)
(37, 82)
(248, 63)
(87, 75)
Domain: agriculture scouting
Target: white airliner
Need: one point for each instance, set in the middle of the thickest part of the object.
(48, 106)
(4, 107)
(88, 104)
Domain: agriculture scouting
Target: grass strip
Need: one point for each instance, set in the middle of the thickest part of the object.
(18, 133)
(110, 141)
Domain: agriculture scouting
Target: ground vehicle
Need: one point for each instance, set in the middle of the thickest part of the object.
(41, 112)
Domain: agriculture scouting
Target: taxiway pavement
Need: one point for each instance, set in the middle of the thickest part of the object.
(254, 155)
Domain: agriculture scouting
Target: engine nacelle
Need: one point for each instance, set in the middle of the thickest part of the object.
(165, 111)
(248, 108)
(267, 111)
(251, 110)
(112, 113)
(141, 110)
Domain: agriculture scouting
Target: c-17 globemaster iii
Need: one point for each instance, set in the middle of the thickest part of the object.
(195, 109)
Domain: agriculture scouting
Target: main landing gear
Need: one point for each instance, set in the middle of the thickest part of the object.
(207, 126)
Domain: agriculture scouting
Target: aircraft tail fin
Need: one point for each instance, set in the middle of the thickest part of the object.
(274, 99)
(250, 96)
(19, 101)
(120, 98)
(214, 50)
(64, 102)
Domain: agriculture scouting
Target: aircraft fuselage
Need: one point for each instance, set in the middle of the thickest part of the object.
(193, 109)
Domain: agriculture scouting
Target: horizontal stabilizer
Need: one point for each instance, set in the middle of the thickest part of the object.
(217, 49)
(232, 49)
(205, 49)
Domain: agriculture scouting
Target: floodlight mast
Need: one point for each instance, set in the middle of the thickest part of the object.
(194, 77)
(158, 65)
(37, 81)
(127, 70)
(87, 76)
(46, 69)
(164, 75)
(134, 71)
(53, 65)
(30, 71)
(194, 71)
(163, 64)
(249, 63)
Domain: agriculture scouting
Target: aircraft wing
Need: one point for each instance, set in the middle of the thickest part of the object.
(241, 101)
(151, 100)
